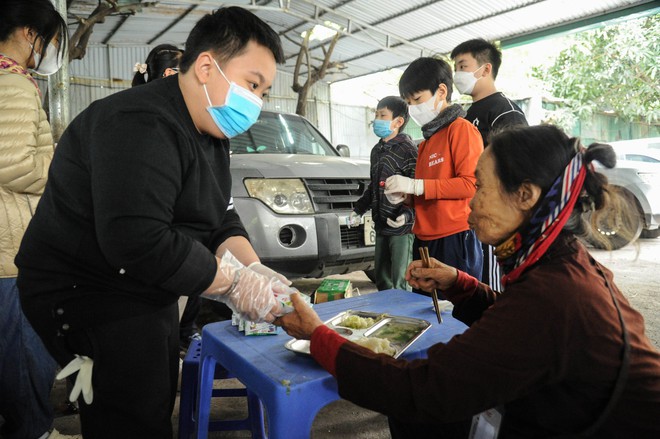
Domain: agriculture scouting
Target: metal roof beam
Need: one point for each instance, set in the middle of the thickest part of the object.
(173, 23)
(115, 29)
(388, 43)
(317, 15)
(448, 28)
(351, 22)
(630, 12)
(361, 24)
(324, 10)
(391, 46)
(478, 19)
(364, 39)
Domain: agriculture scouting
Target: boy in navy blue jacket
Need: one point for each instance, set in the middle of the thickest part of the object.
(394, 154)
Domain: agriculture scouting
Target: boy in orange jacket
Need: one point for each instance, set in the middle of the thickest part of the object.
(444, 179)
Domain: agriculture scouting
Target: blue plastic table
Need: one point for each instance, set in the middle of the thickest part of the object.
(293, 387)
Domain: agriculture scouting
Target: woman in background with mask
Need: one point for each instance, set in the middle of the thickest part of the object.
(32, 38)
(444, 179)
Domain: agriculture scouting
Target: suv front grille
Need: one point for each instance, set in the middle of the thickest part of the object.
(333, 194)
(352, 237)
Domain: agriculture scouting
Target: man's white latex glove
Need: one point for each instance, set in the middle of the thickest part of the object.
(252, 296)
(400, 221)
(249, 294)
(269, 273)
(400, 184)
(83, 365)
(354, 219)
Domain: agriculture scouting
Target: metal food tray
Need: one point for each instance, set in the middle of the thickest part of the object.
(400, 341)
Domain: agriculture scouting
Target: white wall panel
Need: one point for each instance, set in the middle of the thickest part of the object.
(350, 126)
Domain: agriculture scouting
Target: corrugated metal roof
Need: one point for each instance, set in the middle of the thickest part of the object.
(378, 34)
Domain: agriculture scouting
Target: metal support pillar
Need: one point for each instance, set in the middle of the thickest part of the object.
(58, 89)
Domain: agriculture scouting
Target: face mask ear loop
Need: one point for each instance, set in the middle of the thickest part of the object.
(437, 97)
(208, 98)
(483, 65)
(221, 72)
(34, 52)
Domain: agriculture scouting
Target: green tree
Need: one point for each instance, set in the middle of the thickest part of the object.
(610, 69)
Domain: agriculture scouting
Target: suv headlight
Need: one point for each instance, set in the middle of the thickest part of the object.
(286, 196)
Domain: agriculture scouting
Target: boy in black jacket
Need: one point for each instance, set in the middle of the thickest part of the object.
(394, 154)
(476, 64)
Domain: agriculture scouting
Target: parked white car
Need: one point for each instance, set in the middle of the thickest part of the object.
(637, 175)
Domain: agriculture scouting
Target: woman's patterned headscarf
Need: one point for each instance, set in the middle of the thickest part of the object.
(531, 241)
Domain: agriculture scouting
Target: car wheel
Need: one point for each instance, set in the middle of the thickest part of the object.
(650, 234)
(608, 224)
(371, 274)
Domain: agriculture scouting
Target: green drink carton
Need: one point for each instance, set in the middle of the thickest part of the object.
(332, 289)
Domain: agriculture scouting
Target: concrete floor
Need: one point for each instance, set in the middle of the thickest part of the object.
(635, 269)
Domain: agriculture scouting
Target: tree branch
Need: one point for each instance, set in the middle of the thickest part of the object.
(314, 73)
(328, 55)
(292, 40)
(80, 38)
(296, 71)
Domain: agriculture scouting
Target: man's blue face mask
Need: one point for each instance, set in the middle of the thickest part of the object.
(382, 128)
(239, 112)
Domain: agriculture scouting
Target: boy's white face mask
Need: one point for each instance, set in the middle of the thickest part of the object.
(465, 81)
(425, 112)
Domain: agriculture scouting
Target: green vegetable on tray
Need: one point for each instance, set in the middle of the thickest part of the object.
(397, 333)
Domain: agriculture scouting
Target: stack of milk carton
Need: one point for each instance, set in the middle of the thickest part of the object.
(265, 328)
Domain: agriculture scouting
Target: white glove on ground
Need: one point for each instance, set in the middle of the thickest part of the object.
(354, 220)
(399, 183)
(400, 221)
(269, 273)
(248, 293)
(83, 365)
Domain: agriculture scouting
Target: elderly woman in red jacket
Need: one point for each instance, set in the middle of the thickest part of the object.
(561, 349)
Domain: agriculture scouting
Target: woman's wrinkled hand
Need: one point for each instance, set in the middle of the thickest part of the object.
(438, 276)
(302, 322)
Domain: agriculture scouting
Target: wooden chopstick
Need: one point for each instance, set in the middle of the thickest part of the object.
(426, 260)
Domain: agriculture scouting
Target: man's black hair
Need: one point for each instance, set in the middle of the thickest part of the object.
(397, 106)
(226, 33)
(426, 74)
(483, 51)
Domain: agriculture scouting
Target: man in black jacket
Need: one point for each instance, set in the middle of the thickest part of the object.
(476, 64)
(138, 211)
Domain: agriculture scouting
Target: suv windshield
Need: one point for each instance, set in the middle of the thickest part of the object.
(281, 134)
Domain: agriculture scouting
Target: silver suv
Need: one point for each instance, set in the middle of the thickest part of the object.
(294, 192)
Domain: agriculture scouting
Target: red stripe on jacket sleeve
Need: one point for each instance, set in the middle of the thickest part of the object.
(325, 346)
